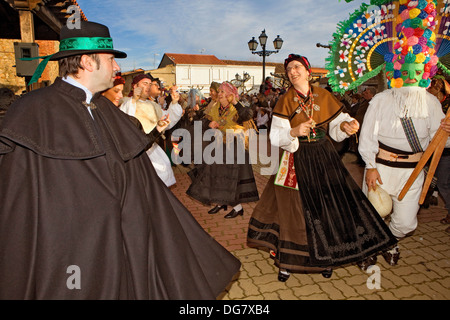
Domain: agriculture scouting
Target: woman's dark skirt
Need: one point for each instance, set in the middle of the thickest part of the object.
(224, 184)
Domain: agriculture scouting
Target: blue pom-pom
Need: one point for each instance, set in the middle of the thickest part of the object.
(423, 15)
(388, 57)
(417, 49)
(397, 74)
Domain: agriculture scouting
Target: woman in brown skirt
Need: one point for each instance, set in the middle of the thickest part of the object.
(312, 215)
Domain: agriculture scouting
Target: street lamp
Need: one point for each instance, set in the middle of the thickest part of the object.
(253, 44)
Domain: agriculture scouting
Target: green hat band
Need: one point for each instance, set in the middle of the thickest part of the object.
(86, 43)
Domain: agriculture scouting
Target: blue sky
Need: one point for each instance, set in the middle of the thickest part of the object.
(146, 29)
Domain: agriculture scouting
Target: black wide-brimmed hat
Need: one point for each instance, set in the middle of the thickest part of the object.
(90, 37)
(87, 38)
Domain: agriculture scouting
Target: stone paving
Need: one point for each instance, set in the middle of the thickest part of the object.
(423, 271)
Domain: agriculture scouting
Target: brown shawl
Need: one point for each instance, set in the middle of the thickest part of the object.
(326, 107)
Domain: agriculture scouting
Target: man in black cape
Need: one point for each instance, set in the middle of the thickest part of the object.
(83, 214)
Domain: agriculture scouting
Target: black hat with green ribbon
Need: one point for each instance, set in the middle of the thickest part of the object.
(90, 38)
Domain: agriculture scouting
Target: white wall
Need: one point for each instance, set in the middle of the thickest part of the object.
(201, 76)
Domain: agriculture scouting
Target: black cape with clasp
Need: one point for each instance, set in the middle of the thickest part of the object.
(84, 215)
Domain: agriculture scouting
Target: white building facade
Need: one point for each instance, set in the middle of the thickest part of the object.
(198, 71)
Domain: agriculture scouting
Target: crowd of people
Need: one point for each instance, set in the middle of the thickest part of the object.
(85, 177)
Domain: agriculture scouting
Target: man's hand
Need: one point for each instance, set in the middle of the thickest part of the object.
(162, 123)
(445, 125)
(372, 177)
(137, 93)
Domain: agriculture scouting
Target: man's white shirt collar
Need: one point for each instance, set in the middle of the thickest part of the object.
(75, 83)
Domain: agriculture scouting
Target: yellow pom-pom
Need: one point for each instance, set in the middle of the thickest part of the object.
(433, 37)
(397, 83)
(420, 58)
(414, 13)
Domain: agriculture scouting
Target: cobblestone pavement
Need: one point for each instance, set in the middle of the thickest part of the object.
(422, 273)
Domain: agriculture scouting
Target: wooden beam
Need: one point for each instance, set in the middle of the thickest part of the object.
(47, 16)
(26, 4)
(26, 26)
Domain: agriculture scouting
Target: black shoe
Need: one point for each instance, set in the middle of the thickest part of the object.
(283, 275)
(233, 214)
(446, 220)
(433, 201)
(366, 263)
(391, 256)
(327, 273)
(217, 209)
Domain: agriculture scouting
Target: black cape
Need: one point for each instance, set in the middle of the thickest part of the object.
(84, 215)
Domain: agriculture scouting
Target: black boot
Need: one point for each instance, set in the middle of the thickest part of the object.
(233, 214)
(327, 273)
(391, 256)
(217, 209)
(366, 263)
(283, 275)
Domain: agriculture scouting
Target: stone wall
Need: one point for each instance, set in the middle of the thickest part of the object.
(8, 77)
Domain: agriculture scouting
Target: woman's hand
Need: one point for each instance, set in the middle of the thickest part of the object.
(232, 99)
(303, 129)
(175, 97)
(350, 128)
(214, 124)
(372, 177)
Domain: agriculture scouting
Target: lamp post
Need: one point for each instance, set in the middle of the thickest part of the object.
(253, 44)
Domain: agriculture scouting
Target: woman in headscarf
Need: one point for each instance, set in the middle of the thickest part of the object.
(115, 94)
(221, 182)
(312, 215)
(213, 95)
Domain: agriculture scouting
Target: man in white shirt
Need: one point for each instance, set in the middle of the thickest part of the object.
(386, 151)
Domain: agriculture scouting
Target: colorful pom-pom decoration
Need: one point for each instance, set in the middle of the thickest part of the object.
(385, 34)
